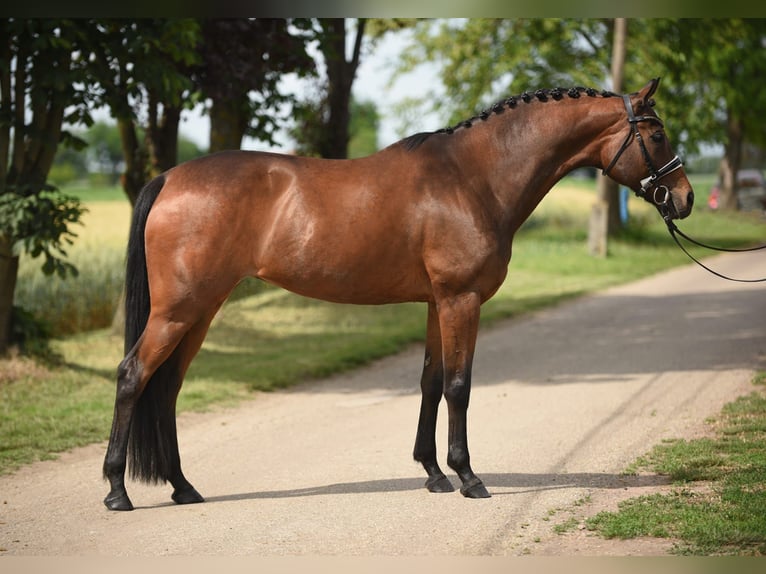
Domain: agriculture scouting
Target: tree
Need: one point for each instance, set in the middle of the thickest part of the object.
(712, 69)
(333, 141)
(43, 84)
(241, 64)
(483, 60)
(142, 69)
(324, 118)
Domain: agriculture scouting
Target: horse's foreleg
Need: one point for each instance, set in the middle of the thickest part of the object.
(459, 323)
(431, 384)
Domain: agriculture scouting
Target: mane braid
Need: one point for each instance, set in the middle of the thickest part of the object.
(413, 142)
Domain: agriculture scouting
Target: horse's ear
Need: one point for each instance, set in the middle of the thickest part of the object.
(652, 87)
(646, 93)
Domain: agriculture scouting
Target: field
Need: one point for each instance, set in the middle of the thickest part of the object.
(86, 302)
(265, 338)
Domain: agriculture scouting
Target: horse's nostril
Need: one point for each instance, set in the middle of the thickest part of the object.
(690, 199)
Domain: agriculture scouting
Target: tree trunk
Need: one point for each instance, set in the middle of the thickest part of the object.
(730, 165)
(9, 269)
(605, 214)
(228, 124)
(134, 176)
(163, 140)
(340, 77)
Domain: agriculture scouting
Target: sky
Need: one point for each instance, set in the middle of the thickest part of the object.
(372, 83)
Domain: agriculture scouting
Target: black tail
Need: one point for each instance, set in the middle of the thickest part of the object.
(152, 447)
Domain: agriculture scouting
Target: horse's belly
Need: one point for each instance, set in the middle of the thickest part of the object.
(369, 282)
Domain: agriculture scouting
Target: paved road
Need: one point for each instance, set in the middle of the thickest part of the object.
(562, 401)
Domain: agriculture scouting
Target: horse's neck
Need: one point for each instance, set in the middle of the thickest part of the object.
(536, 146)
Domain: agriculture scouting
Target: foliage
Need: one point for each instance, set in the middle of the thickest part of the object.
(708, 66)
(482, 60)
(141, 68)
(140, 62)
(40, 222)
(363, 129)
(43, 86)
(241, 63)
(49, 88)
(324, 116)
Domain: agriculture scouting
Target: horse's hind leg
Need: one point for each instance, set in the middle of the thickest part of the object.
(129, 385)
(155, 346)
(431, 384)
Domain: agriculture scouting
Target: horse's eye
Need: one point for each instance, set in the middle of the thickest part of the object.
(657, 137)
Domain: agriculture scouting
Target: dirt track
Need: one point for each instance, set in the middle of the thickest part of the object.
(563, 400)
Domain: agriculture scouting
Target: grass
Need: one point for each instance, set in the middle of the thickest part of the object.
(718, 506)
(265, 338)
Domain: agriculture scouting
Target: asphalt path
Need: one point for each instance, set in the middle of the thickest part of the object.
(562, 401)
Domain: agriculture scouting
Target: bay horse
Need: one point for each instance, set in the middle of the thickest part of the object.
(430, 218)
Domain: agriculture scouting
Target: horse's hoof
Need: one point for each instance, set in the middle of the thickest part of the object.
(439, 483)
(118, 502)
(474, 488)
(187, 496)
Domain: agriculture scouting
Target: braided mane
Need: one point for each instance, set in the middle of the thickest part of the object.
(414, 141)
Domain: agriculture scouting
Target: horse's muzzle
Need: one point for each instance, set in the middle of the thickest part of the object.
(685, 209)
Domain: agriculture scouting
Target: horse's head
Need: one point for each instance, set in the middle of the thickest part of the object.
(645, 161)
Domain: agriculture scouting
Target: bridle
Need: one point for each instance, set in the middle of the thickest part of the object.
(655, 175)
(665, 204)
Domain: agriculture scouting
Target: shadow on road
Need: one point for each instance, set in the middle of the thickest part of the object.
(497, 483)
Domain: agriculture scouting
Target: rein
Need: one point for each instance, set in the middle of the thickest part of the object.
(673, 230)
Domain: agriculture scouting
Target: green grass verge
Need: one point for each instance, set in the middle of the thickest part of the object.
(266, 338)
(718, 506)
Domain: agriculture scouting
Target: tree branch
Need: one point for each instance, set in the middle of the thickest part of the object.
(354, 64)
